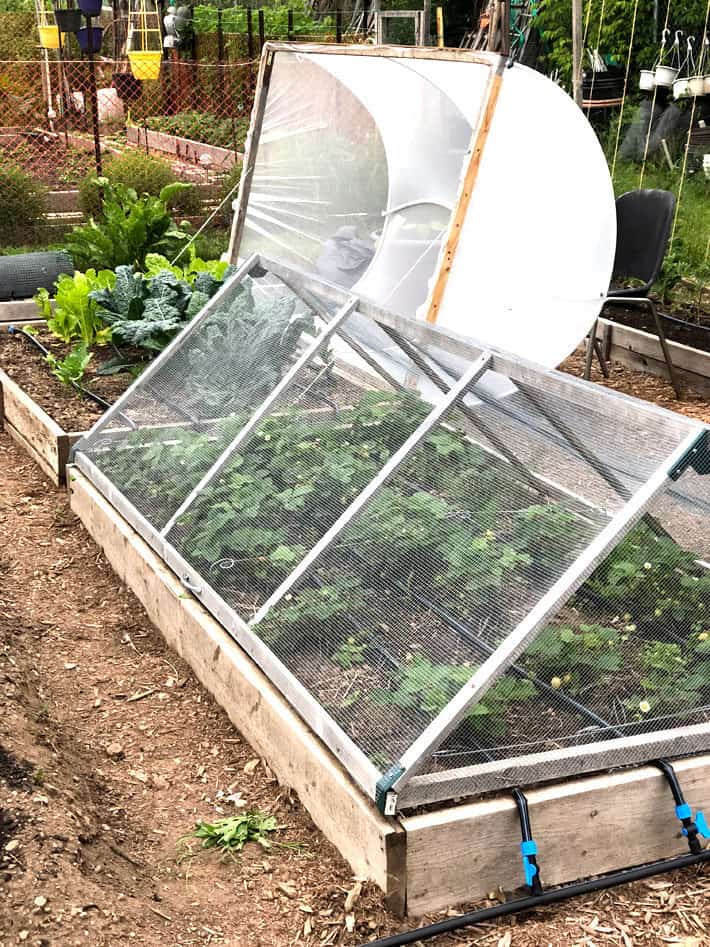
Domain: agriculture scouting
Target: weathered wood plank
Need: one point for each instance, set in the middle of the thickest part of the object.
(642, 350)
(583, 827)
(40, 434)
(373, 845)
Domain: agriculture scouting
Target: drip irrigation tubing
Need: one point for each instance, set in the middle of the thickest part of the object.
(553, 896)
(97, 399)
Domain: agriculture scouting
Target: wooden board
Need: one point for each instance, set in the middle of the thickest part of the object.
(34, 430)
(583, 827)
(19, 311)
(372, 844)
(642, 351)
(186, 148)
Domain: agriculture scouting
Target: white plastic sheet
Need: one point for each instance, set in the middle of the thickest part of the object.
(358, 172)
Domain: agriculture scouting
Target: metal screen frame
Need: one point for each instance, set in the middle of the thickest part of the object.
(406, 786)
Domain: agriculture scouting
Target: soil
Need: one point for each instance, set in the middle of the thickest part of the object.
(647, 387)
(111, 751)
(48, 159)
(25, 365)
(687, 327)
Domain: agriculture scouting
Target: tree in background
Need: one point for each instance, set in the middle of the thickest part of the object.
(554, 20)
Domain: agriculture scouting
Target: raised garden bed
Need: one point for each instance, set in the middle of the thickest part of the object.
(419, 860)
(43, 415)
(184, 148)
(641, 350)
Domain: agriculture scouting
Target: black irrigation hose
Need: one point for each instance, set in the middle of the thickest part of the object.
(554, 896)
(97, 399)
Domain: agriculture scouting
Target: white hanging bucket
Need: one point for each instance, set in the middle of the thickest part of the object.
(666, 74)
(696, 86)
(647, 80)
(707, 84)
(681, 88)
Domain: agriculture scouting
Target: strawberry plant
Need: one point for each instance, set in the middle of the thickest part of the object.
(575, 657)
(70, 369)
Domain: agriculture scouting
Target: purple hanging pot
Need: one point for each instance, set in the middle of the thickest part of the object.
(90, 7)
(96, 34)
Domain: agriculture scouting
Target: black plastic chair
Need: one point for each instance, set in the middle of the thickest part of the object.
(644, 220)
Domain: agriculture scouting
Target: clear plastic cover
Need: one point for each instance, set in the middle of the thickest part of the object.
(362, 180)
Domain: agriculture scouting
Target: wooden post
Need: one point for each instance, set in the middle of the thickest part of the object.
(440, 27)
(577, 43)
(262, 31)
(426, 16)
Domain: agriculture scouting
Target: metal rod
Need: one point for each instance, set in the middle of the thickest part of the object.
(261, 412)
(478, 368)
(557, 595)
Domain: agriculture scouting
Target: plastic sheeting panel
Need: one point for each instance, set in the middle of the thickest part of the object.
(358, 175)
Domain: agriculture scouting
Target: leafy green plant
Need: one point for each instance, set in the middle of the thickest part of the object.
(70, 369)
(570, 658)
(23, 205)
(351, 652)
(670, 680)
(130, 227)
(142, 173)
(427, 688)
(74, 315)
(232, 834)
(203, 127)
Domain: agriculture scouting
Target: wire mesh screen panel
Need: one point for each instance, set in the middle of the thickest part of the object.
(376, 513)
(325, 440)
(627, 656)
(159, 442)
(450, 556)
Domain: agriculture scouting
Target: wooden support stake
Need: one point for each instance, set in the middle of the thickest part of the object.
(469, 184)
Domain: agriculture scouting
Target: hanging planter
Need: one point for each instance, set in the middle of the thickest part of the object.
(145, 40)
(90, 37)
(665, 73)
(127, 87)
(48, 37)
(647, 81)
(90, 7)
(68, 21)
(145, 65)
(682, 85)
(704, 65)
(47, 28)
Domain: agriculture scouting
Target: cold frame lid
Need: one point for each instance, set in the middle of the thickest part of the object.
(372, 165)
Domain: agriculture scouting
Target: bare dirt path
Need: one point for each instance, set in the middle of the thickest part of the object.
(110, 751)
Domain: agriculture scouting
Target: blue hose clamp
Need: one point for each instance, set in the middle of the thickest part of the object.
(529, 848)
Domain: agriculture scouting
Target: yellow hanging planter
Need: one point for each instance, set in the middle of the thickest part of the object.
(145, 64)
(48, 37)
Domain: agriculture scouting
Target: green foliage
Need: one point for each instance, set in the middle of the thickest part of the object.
(146, 311)
(672, 679)
(321, 609)
(654, 582)
(204, 127)
(70, 369)
(234, 20)
(23, 204)
(427, 688)
(574, 657)
(351, 652)
(142, 173)
(75, 316)
(230, 835)
(129, 229)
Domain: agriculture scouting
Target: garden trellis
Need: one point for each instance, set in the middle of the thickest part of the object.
(458, 591)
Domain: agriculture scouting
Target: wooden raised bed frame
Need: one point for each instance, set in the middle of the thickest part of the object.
(422, 862)
(47, 443)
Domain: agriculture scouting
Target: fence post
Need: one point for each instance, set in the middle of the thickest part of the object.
(338, 25)
(94, 99)
(250, 35)
(220, 53)
(289, 28)
(261, 30)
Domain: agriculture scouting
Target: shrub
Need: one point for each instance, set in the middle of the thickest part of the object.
(143, 173)
(23, 204)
